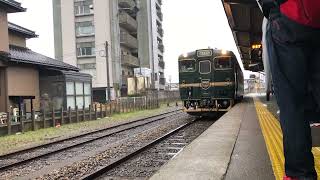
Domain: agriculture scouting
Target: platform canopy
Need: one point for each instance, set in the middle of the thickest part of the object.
(245, 20)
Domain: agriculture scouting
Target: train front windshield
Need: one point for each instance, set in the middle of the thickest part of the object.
(223, 63)
(187, 66)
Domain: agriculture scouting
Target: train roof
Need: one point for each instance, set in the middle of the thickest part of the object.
(216, 52)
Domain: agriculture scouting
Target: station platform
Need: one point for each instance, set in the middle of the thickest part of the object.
(246, 143)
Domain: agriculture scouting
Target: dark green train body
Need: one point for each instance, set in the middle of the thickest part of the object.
(211, 80)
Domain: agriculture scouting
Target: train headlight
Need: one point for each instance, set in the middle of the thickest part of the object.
(185, 55)
(225, 102)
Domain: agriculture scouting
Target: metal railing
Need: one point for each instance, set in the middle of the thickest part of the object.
(127, 40)
(127, 21)
(126, 3)
(130, 60)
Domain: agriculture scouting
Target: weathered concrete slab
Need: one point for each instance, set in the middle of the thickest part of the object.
(250, 158)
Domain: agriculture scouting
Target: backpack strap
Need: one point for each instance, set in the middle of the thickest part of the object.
(267, 5)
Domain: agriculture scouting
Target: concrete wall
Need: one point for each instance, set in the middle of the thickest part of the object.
(68, 33)
(58, 46)
(17, 40)
(169, 95)
(102, 22)
(154, 33)
(4, 42)
(148, 46)
(24, 81)
(144, 35)
(115, 43)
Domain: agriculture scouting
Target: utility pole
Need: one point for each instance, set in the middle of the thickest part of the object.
(107, 66)
(170, 82)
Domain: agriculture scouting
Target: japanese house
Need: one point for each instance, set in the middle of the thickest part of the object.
(31, 81)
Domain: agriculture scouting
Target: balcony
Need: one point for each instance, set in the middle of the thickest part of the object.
(161, 47)
(160, 15)
(162, 64)
(126, 3)
(162, 81)
(130, 60)
(128, 41)
(160, 31)
(127, 22)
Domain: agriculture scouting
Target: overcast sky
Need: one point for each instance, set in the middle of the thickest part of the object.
(188, 25)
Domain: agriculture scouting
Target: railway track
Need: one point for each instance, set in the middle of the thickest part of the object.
(24, 156)
(169, 145)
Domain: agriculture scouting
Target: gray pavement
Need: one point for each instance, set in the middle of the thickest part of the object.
(209, 155)
(250, 159)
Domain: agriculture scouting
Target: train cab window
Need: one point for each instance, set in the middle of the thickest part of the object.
(204, 67)
(187, 66)
(223, 63)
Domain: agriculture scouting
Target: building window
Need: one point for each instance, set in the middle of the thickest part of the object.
(85, 28)
(87, 66)
(205, 67)
(87, 95)
(78, 94)
(70, 95)
(83, 7)
(85, 49)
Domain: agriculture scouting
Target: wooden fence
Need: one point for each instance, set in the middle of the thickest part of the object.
(53, 118)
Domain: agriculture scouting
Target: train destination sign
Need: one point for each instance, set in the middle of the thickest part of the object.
(204, 53)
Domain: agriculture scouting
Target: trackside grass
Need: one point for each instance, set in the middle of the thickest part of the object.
(32, 138)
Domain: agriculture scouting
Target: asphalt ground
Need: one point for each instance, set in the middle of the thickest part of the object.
(250, 159)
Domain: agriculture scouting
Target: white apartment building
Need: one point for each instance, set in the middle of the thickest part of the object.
(150, 37)
(83, 27)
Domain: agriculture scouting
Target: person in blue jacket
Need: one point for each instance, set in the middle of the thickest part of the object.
(293, 34)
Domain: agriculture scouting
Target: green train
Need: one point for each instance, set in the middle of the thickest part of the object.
(211, 80)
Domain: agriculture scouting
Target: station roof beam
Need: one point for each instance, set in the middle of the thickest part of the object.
(245, 20)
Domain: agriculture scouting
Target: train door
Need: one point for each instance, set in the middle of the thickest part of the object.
(225, 75)
(205, 76)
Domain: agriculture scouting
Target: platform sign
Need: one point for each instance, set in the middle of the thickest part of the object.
(204, 53)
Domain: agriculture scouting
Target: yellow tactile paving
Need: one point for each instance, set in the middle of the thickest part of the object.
(272, 134)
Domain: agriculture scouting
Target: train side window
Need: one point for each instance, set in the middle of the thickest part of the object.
(204, 67)
(187, 66)
(223, 63)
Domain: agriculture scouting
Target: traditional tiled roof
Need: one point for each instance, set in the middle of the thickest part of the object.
(21, 30)
(11, 6)
(74, 76)
(25, 55)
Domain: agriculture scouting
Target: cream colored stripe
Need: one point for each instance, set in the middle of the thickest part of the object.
(212, 84)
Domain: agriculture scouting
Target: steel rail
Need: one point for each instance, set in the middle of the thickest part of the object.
(5, 167)
(98, 173)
